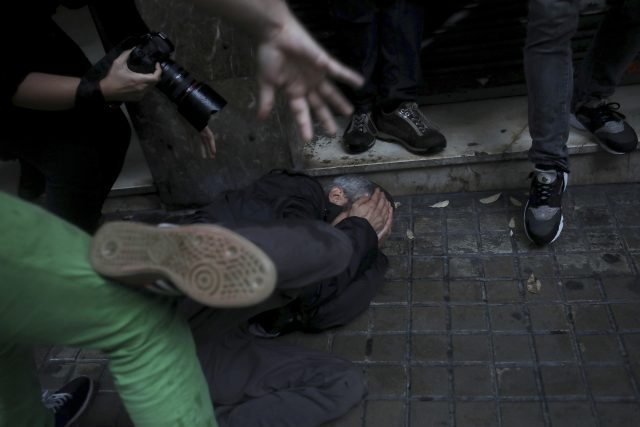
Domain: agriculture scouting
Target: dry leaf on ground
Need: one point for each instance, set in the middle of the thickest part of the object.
(442, 204)
(410, 235)
(490, 199)
(397, 204)
(533, 284)
(515, 202)
(512, 223)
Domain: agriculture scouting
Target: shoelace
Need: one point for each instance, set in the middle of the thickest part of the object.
(412, 112)
(359, 122)
(56, 400)
(541, 191)
(607, 112)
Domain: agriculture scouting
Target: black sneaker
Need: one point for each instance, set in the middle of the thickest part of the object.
(70, 401)
(607, 124)
(408, 126)
(360, 134)
(276, 322)
(543, 219)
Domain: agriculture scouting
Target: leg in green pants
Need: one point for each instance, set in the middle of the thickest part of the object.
(49, 294)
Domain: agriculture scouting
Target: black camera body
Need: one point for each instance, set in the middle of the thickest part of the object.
(195, 101)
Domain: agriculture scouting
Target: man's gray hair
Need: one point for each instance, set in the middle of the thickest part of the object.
(353, 186)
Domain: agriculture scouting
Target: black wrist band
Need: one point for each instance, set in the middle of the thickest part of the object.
(89, 96)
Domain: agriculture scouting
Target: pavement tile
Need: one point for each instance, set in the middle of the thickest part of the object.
(496, 242)
(599, 348)
(627, 316)
(503, 291)
(429, 348)
(594, 216)
(429, 381)
(432, 414)
(397, 246)
(350, 347)
(360, 323)
(522, 414)
(386, 381)
(493, 221)
(353, 418)
(600, 241)
(424, 290)
(469, 317)
(464, 267)
(476, 414)
(391, 292)
(429, 244)
(511, 348)
(590, 317)
(548, 317)
(387, 348)
(624, 288)
(549, 291)
(627, 216)
(471, 348)
(398, 267)
(385, 413)
(540, 266)
(613, 414)
(609, 381)
(498, 268)
(516, 381)
(461, 224)
(431, 268)
(581, 289)
(389, 319)
(556, 348)
(508, 317)
(423, 225)
(63, 353)
(462, 244)
(571, 414)
(631, 237)
(571, 241)
(472, 381)
(428, 319)
(632, 345)
(54, 374)
(562, 380)
(465, 291)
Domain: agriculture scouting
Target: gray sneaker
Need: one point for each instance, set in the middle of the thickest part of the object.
(543, 220)
(607, 124)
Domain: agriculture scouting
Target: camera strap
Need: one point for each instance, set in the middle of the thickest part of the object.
(88, 95)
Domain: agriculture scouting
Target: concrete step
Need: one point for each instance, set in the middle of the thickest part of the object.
(487, 149)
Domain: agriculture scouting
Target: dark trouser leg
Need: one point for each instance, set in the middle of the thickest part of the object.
(615, 45)
(358, 29)
(401, 25)
(549, 72)
(304, 252)
(80, 161)
(264, 383)
(337, 309)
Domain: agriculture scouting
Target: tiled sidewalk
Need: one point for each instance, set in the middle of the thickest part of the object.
(456, 338)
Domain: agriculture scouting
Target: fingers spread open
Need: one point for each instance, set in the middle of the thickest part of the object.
(344, 74)
(322, 112)
(335, 98)
(300, 110)
(267, 99)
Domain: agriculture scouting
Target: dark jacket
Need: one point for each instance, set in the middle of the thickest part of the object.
(284, 194)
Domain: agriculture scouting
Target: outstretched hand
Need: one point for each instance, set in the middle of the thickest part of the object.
(293, 61)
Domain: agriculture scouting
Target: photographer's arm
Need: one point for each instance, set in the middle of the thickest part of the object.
(289, 59)
(51, 92)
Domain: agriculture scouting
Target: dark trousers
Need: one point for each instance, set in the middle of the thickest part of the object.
(79, 154)
(549, 68)
(381, 40)
(261, 382)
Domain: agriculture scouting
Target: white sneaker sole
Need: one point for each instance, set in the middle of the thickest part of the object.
(208, 263)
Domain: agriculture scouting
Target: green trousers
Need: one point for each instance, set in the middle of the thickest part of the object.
(50, 295)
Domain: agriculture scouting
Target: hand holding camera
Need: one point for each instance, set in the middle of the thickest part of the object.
(122, 84)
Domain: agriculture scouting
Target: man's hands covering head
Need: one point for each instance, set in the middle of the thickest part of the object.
(377, 210)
